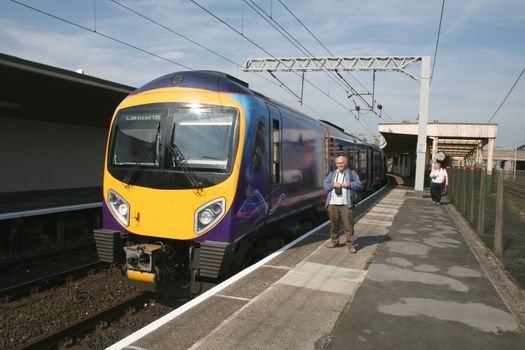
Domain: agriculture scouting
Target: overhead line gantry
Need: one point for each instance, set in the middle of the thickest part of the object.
(373, 64)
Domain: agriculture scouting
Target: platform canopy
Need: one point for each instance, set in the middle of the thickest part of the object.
(462, 142)
(35, 91)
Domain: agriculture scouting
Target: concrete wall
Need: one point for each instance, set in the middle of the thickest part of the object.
(42, 156)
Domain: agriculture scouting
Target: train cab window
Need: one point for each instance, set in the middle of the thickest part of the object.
(258, 151)
(136, 137)
(276, 142)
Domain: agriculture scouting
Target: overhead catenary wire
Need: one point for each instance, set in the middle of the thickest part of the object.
(139, 48)
(102, 34)
(326, 49)
(437, 40)
(229, 60)
(107, 36)
(388, 116)
(316, 38)
(257, 9)
(266, 52)
(281, 84)
(507, 96)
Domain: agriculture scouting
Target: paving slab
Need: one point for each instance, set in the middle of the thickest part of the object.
(425, 289)
(183, 331)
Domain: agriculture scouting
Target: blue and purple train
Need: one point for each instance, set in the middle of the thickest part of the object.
(197, 164)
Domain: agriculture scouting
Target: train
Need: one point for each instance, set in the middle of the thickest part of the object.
(198, 164)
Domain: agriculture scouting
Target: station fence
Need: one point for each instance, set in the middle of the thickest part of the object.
(494, 205)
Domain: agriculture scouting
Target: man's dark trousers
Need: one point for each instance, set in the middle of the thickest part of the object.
(336, 212)
(436, 189)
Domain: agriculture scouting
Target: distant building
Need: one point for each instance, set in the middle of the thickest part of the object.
(508, 159)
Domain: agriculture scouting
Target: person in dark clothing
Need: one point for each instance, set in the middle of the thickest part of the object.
(439, 178)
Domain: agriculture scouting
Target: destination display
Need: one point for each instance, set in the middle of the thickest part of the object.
(146, 116)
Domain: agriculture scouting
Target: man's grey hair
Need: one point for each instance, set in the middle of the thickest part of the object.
(344, 158)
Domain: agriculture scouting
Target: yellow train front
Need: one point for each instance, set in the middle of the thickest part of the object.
(170, 178)
(196, 165)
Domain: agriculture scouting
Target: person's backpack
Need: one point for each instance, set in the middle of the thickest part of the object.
(353, 193)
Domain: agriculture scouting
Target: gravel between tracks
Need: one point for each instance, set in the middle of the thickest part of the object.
(45, 312)
(119, 329)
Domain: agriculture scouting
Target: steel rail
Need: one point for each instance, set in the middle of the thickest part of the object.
(514, 189)
(81, 326)
(48, 281)
(50, 254)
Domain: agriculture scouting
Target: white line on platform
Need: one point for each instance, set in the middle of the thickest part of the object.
(194, 302)
(231, 297)
(26, 213)
(365, 221)
(278, 267)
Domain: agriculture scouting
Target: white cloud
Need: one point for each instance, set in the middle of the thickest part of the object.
(473, 73)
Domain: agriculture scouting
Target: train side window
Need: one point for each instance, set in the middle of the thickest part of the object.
(258, 151)
(276, 142)
(362, 160)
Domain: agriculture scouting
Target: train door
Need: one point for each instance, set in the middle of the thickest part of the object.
(276, 180)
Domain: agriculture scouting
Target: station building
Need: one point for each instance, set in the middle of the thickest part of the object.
(53, 126)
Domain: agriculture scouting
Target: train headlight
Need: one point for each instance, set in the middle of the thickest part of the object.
(205, 217)
(123, 209)
(119, 207)
(208, 214)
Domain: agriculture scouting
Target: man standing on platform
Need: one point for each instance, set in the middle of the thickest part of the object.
(439, 178)
(339, 184)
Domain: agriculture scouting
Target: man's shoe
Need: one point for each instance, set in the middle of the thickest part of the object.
(352, 249)
(331, 245)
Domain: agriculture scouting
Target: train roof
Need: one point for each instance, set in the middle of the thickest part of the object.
(222, 82)
(199, 79)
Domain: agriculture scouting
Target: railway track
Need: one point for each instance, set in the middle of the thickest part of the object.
(64, 336)
(48, 281)
(49, 255)
(514, 188)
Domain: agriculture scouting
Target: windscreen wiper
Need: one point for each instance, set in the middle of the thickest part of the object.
(131, 175)
(178, 160)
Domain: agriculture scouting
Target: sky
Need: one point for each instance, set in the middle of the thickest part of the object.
(480, 55)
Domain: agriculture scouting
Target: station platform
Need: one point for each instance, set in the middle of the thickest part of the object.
(31, 203)
(414, 283)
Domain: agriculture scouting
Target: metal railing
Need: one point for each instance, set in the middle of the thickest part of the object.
(494, 205)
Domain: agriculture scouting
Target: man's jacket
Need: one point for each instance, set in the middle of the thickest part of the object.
(355, 185)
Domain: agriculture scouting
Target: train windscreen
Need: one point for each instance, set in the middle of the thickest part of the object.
(204, 136)
(162, 145)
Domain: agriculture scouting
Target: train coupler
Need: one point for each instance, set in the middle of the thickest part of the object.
(142, 261)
